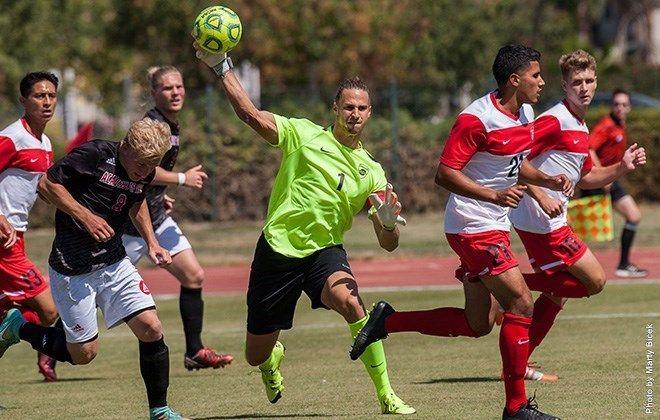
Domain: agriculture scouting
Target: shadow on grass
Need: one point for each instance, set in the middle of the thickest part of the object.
(460, 380)
(72, 380)
(264, 416)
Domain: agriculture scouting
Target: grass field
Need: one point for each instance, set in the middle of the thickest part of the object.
(597, 347)
(230, 243)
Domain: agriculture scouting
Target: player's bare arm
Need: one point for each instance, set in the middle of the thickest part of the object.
(59, 196)
(455, 181)
(600, 176)
(530, 175)
(139, 214)
(7, 232)
(263, 122)
(193, 177)
(550, 206)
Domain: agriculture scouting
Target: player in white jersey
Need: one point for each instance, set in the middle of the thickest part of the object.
(481, 164)
(25, 155)
(564, 266)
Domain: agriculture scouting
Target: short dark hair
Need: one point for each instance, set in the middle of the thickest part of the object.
(34, 77)
(510, 59)
(619, 91)
(353, 83)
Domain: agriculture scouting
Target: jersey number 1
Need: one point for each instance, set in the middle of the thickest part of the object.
(341, 181)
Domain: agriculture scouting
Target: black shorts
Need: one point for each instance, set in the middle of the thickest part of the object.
(616, 192)
(277, 281)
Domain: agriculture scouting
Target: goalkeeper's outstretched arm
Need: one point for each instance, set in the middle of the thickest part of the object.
(263, 122)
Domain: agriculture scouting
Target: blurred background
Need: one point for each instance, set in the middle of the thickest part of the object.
(424, 60)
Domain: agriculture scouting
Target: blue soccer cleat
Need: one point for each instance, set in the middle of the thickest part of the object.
(12, 321)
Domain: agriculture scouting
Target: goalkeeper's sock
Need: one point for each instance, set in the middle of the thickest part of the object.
(374, 360)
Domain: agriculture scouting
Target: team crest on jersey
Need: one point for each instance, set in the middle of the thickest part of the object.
(619, 138)
(362, 170)
(110, 161)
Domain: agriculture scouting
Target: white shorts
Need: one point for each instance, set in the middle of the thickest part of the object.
(169, 236)
(118, 290)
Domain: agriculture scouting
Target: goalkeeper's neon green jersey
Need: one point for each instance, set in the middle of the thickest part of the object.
(320, 186)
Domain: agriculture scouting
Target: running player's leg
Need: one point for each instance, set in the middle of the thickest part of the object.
(511, 292)
(274, 288)
(187, 270)
(625, 205)
(340, 293)
(475, 320)
(589, 272)
(265, 351)
(154, 356)
(190, 274)
(75, 341)
(44, 307)
(123, 297)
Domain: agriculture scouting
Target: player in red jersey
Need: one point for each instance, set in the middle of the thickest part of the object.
(608, 143)
(561, 145)
(481, 164)
(25, 155)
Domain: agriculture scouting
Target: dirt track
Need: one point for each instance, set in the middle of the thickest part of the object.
(382, 273)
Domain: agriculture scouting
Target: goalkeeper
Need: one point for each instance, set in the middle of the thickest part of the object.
(325, 178)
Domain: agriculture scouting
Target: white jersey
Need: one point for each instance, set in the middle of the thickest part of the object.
(488, 144)
(561, 146)
(23, 160)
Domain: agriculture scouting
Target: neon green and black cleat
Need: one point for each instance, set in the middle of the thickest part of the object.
(391, 404)
(9, 329)
(270, 374)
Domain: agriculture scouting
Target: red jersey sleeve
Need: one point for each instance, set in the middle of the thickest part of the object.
(599, 134)
(587, 165)
(547, 132)
(467, 137)
(7, 152)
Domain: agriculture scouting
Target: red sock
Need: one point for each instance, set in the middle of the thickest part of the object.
(443, 322)
(30, 315)
(560, 284)
(514, 347)
(545, 312)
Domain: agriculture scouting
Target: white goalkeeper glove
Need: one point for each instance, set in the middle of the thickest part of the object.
(388, 210)
(220, 63)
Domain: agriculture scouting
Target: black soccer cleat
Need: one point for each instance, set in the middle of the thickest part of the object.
(373, 330)
(529, 411)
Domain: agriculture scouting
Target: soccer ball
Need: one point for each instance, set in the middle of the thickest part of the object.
(217, 29)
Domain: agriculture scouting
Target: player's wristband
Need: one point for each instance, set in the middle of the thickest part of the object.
(182, 178)
(222, 68)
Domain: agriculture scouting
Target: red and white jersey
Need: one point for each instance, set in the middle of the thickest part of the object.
(561, 146)
(488, 144)
(23, 159)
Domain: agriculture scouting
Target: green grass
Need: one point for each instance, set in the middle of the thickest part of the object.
(601, 362)
(231, 243)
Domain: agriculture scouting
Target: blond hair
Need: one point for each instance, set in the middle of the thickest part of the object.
(576, 60)
(156, 72)
(148, 139)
